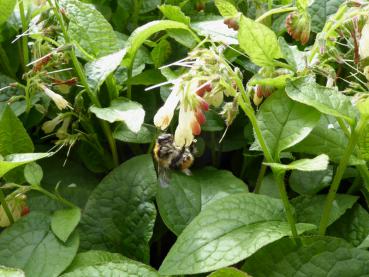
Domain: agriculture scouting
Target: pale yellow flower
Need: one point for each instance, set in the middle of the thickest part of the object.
(59, 100)
(364, 42)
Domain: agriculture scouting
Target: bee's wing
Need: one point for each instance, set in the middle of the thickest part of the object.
(163, 176)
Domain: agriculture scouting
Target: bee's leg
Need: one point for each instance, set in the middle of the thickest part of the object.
(163, 176)
(187, 171)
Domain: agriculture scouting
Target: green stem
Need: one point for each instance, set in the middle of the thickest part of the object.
(24, 38)
(83, 79)
(129, 86)
(53, 196)
(339, 174)
(5, 206)
(279, 177)
(260, 178)
(275, 11)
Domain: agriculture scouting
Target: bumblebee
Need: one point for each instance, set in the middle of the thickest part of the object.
(170, 157)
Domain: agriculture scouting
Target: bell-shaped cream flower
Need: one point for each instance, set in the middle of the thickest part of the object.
(59, 100)
(50, 125)
(164, 115)
(187, 127)
(364, 42)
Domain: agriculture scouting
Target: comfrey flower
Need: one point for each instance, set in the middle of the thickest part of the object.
(59, 100)
(364, 42)
(206, 83)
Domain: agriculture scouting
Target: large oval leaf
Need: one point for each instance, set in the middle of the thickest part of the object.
(29, 244)
(284, 122)
(89, 29)
(325, 100)
(327, 137)
(259, 42)
(120, 213)
(186, 196)
(226, 232)
(309, 208)
(6, 10)
(314, 256)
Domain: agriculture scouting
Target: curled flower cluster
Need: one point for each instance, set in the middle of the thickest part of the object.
(298, 26)
(205, 84)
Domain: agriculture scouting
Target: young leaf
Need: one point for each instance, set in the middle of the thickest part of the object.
(327, 137)
(11, 272)
(325, 100)
(94, 257)
(13, 136)
(226, 232)
(89, 29)
(310, 183)
(216, 30)
(309, 208)
(30, 245)
(226, 8)
(314, 256)
(122, 202)
(6, 10)
(187, 196)
(63, 222)
(33, 173)
(320, 11)
(174, 13)
(145, 135)
(131, 113)
(318, 163)
(353, 226)
(142, 33)
(12, 161)
(259, 42)
(123, 268)
(284, 122)
(98, 70)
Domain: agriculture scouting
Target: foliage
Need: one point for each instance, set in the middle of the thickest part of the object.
(105, 105)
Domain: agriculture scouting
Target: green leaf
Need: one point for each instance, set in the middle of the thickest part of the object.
(310, 183)
(314, 256)
(293, 56)
(12, 161)
(174, 13)
(216, 30)
(120, 213)
(363, 143)
(259, 42)
(11, 272)
(187, 196)
(94, 257)
(13, 136)
(148, 77)
(318, 163)
(161, 52)
(309, 208)
(213, 123)
(149, 5)
(353, 226)
(129, 112)
(145, 135)
(226, 232)
(324, 99)
(33, 173)
(320, 11)
(226, 8)
(7, 7)
(143, 32)
(229, 272)
(63, 222)
(123, 268)
(269, 187)
(327, 137)
(98, 70)
(284, 122)
(89, 29)
(29, 244)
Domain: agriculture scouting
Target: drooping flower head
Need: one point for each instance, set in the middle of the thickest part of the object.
(204, 84)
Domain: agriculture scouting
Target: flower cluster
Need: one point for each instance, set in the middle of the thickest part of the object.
(206, 83)
(298, 26)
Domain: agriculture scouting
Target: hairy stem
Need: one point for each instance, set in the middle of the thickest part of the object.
(339, 174)
(260, 178)
(24, 38)
(6, 207)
